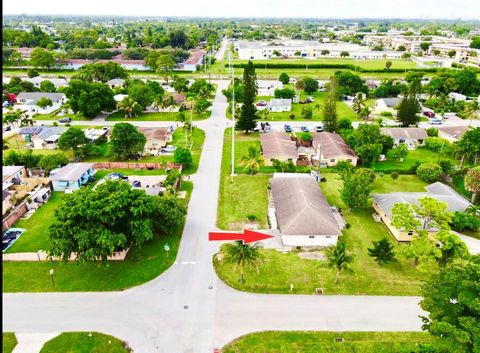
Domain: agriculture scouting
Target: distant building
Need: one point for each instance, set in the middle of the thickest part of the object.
(57, 82)
(27, 101)
(268, 87)
(116, 83)
(387, 105)
(410, 136)
(279, 105)
(195, 59)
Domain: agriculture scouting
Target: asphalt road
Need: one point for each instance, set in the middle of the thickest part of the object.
(188, 309)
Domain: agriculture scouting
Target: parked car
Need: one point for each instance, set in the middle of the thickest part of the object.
(319, 128)
(429, 114)
(168, 149)
(267, 127)
(116, 176)
(304, 128)
(261, 103)
(435, 121)
(287, 128)
(65, 120)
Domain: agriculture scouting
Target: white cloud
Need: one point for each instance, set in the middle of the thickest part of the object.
(465, 9)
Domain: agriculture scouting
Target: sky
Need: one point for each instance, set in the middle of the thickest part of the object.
(421, 9)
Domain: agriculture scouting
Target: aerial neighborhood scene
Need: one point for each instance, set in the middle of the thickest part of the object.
(252, 177)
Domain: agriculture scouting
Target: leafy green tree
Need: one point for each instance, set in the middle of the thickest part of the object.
(31, 73)
(201, 105)
(469, 146)
(338, 259)
(344, 54)
(72, 139)
(425, 45)
(180, 84)
(368, 142)
(243, 256)
(127, 142)
(286, 93)
(165, 65)
(357, 187)
(345, 124)
(26, 159)
(16, 58)
(452, 53)
(310, 85)
(47, 86)
(284, 78)
(358, 102)
(89, 98)
(468, 220)
(472, 182)
(388, 65)
(51, 161)
(307, 113)
(382, 251)
(349, 83)
(329, 110)
(129, 107)
(253, 160)
(451, 299)
(44, 102)
(183, 156)
(248, 113)
(84, 227)
(400, 152)
(429, 172)
(451, 247)
(409, 106)
(41, 58)
(142, 94)
(101, 72)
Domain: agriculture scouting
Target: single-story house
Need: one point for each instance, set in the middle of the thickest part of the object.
(387, 105)
(12, 175)
(330, 149)
(116, 83)
(57, 82)
(383, 204)
(6, 201)
(452, 133)
(278, 145)
(48, 137)
(268, 87)
(76, 64)
(151, 184)
(28, 101)
(195, 58)
(178, 97)
(27, 133)
(410, 136)
(119, 97)
(94, 134)
(279, 105)
(302, 213)
(157, 138)
(457, 96)
(72, 176)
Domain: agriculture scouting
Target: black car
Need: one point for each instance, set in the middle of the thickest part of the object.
(287, 128)
(65, 120)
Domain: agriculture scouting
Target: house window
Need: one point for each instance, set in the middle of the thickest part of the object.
(410, 232)
(328, 236)
(311, 236)
(332, 160)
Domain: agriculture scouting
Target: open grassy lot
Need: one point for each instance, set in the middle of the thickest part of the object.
(9, 341)
(139, 267)
(324, 342)
(35, 237)
(85, 342)
(54, 116)
(278, 271)
(241, 195)
(17, 144)
(420, 154)
(157, 116)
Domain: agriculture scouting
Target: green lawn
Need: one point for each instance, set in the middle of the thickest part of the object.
(324, 342)
(85, 342)
(54, 116)
(139, 267)
(278, 271)
(17, 144)
(35, 237)
(420, 154)
(9, 341)
(241, 195)
(167, 116)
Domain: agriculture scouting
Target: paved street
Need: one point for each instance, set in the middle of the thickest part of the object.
(188, 309)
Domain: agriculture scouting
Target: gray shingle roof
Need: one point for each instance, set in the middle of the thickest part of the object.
(71, 172)
(35, 96)
(391, 102)
(279, 102)
(439, 191)
(46, 132)
(406, 133)
(301, 208)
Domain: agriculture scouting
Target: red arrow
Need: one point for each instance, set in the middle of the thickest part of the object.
(248, 236)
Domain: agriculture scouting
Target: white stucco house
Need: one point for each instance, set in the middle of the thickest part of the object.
(268, 87)
(279, 105)
(27, 101)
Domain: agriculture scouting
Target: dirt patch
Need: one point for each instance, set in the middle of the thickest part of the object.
(243, 225)
(313, 255)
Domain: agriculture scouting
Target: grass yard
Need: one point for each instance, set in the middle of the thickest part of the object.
(54, 116)
(85, 342)
(35, 237)
(324, 342)
(17, 144)
(278, 271)
(157, 116)
(421, 155)
(241, 195)
(139, 267)
(9, 341)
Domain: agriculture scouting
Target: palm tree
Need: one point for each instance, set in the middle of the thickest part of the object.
(472, 182)
(317, 107)
(242, 255)
(339, 259)
(158, 102)
(21, 117)
(129, 106)
(364, 113)
(471, 111)
(253, 160)
(358, 102)
(190, 102)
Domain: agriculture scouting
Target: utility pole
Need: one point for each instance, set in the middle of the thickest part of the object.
(233, 112)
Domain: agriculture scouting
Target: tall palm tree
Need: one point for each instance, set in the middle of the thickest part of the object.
(129, 106)
(471, 111)
(158, 102)
(358, 102)
(364, 113)
(190, 102)
(339, 259)
(243, 256)
(253, 160)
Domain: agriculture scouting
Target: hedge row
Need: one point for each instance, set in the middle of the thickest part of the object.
(260, 65)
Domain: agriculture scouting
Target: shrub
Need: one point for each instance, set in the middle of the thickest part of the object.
(55, 123)
(291, 116)
(345, 124)
(437, 144)
(386, 114)
(429, 172)
(432, 132)
(183, 156)
(446, 165)
(284, 78)
(394, 175)
(251, 218)
(31, 73)
(465, 221)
